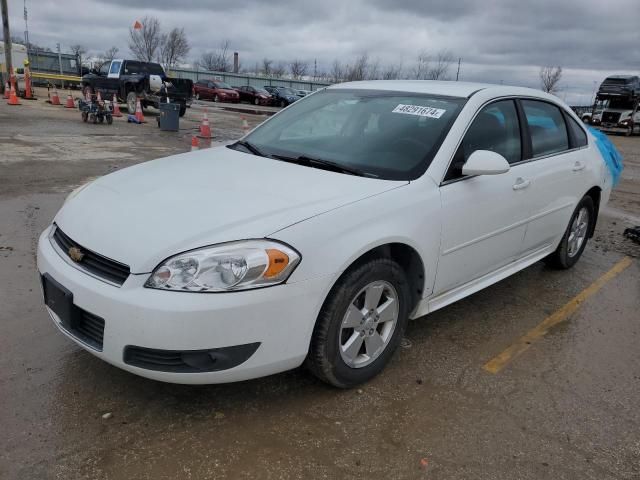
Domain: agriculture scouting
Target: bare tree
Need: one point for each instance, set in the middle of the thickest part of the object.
(550, 78)
(440, 68)
(105, 57)
(174, 48)
(218, 60)
(392, 72)
(267, 67)
(336, 73)
(279, 70)
(298, 69)
(359, 70)
(78, 50)
(145, 42)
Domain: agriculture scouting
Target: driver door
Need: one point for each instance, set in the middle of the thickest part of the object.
(484, 216)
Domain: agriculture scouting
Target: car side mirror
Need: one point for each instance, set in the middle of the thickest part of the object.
(485, 162)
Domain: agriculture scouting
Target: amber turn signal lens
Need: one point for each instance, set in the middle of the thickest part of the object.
(278, 261)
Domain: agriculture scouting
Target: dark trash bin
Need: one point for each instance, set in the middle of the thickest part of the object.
(169, 119)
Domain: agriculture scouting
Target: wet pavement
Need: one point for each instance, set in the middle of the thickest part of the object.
(567, 408)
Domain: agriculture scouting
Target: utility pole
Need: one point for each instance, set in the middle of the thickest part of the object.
(458, 72)
(7, 42)
(60, 63)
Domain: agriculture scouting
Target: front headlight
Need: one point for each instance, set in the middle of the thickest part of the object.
(226, 267)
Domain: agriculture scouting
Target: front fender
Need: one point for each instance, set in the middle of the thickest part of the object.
(329, 243)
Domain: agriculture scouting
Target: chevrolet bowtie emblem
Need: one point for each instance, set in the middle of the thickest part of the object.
(75, 254)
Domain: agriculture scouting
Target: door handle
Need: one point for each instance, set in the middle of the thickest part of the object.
(521, 183)
(578, 166)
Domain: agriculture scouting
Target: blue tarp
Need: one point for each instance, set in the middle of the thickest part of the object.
(610, 155)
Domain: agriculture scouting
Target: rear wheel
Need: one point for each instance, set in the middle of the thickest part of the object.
(283, 103)
(361, 324)
(575, 237)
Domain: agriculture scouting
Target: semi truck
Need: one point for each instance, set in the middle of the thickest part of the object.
(618, 100)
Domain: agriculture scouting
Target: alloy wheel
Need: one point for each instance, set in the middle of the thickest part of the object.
(368, 324)
(578, 232)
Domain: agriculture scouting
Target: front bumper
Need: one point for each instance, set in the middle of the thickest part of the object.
(279, 318)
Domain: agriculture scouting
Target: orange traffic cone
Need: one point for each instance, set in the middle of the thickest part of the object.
(245, 125)
(55, 99)
(139, 115)
(13, 98)
(116, 107)
(70, 103)
(195, 145)
(205, 128)
(7, 88)
(28, 91)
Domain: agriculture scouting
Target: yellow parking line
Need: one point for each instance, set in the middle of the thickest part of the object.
(523, 343)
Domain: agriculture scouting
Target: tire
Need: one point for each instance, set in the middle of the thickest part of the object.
(216, 99)
(197, 96)
(132, 99)
(92, 118)
(283, 104)
(256, 101)
(85, 117)
(568, 253)
(101, 119)
(183, 110)
(109, 119)
(328, 357)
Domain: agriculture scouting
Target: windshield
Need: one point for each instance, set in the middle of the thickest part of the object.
(261, 91)
(223, 85)
(133, 67)
(286, 91)
(389, 135)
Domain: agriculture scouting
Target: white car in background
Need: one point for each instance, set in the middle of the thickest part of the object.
(316, 237)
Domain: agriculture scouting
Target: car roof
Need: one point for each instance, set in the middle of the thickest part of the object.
(436, 87)
(624, 77)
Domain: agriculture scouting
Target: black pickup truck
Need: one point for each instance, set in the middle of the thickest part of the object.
(132, 79)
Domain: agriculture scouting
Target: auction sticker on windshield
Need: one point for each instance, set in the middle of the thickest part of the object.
(430, 112)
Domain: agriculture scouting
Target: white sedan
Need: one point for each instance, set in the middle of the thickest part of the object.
(316, 237)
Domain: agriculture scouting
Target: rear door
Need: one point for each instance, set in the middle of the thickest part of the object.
(558, 170)
(484, 217)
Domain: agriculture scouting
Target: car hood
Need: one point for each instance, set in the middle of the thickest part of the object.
(143, 214)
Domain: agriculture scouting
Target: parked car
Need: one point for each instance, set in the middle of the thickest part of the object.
(318, 236)
(282, 96)
(215, 90)
(620, 85)
(255, 95)
(303, 93)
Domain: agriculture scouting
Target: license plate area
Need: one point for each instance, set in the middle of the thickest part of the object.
(60, 300)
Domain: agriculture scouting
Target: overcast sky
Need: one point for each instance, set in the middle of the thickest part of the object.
(498, 40)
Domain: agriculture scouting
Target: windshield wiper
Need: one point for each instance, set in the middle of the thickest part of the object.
(251, 147)
(323, 164)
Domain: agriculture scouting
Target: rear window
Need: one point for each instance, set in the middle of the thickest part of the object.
(133, 67)
(617, 81)
(579, 135)
(547, 128)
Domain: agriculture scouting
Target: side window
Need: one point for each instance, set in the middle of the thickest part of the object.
(495, 128)
(579, 137)
(115, 67)
(547, 127)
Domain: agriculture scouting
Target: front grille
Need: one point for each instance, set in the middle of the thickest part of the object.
(88, 328)
(98, 265)
(189, 361)
(610, 117)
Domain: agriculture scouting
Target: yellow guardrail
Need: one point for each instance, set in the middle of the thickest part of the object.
(56, 76)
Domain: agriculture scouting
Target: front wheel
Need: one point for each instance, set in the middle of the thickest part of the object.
(575, 237)
(132, 100)
(360, 324)
(197, 96)
(216, 99)
(183, 110)
(256, 101)
(283, 103)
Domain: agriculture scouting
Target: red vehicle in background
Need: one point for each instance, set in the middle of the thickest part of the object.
(215, 90)
(255, 95)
